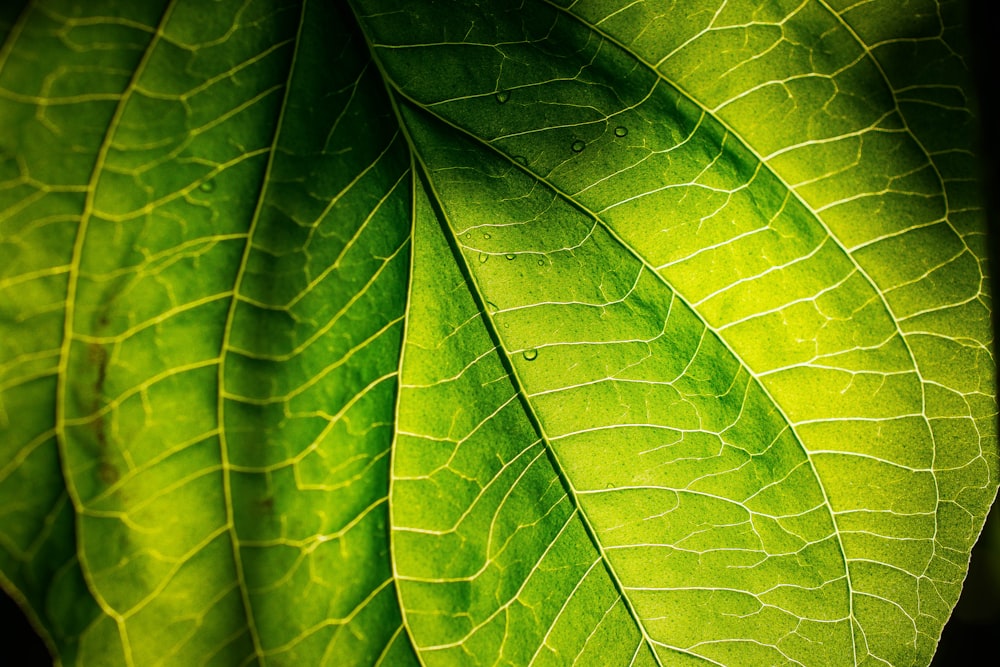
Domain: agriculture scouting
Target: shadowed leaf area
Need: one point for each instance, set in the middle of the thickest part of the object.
(410, 332)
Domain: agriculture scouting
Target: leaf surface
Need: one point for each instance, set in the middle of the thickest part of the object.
(450, 333)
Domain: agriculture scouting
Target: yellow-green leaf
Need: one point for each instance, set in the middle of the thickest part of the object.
(401, 332)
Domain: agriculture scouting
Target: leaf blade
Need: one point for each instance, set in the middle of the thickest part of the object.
(508, 128)
(636, 254)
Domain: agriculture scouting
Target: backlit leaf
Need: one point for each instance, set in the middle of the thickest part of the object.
(450, 333)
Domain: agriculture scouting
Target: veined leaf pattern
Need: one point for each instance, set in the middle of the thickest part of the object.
(449, 333)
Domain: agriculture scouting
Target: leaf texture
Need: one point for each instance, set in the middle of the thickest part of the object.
(444, 333)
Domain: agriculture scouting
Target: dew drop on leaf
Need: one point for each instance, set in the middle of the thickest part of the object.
(207, 186)
(510, 256)
(621, 131)
(483, 257)
(492, 307)
(502, 96)
(521, 160)
(486, 236)
(541, 262)
(577, 146)
(530, 355)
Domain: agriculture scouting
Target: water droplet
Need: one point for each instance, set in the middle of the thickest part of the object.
(530, 355)
(577, 146)
(483, 257)
(521, 160)
(510, 256)
(492, 307)
(486, 236)
(541, 262)
(502, 96)
(207, 186)
(621, 131)
(468, 236)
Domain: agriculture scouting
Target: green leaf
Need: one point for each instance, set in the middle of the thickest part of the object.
(447, 333)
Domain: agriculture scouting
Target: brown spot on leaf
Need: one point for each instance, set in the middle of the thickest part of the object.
(99, 432)
(98, 356)
(107, 472)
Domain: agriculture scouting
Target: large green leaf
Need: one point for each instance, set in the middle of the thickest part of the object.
(449, 333)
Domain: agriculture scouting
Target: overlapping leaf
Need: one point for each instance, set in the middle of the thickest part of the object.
(471, 333)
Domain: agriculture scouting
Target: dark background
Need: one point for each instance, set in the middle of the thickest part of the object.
(974, 627)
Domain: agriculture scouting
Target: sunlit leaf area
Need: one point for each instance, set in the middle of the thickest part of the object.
(476, 332)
